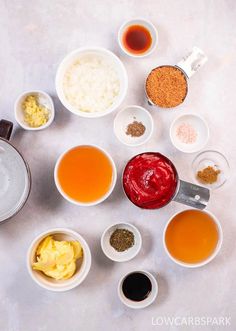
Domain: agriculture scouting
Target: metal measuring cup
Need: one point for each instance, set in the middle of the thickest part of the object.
(189, 65)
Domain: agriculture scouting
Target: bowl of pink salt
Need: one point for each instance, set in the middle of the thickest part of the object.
(189, 133)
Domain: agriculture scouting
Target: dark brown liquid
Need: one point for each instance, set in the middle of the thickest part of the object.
(137, 39)
(137, 286)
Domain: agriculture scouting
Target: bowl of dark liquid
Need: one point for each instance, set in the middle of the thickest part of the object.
(138, 289)
(137, 37)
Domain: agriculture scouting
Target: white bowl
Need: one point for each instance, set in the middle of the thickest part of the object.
(127, 255)
(78, 203)
(200, 126)
(139, 304)
(59, 285)
(125, 117)
(44, 99)
(108, 55)
(211, 257)
(149, 26)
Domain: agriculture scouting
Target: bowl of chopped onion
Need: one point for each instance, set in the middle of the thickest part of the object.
(91, 82)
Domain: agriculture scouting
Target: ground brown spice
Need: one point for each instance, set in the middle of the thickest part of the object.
(135, 129)
(208, 175)
(166, 86)
(122, 239)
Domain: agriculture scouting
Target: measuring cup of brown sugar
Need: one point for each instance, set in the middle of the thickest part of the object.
(167, 85)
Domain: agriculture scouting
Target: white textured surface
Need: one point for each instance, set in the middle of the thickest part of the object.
(35, 35)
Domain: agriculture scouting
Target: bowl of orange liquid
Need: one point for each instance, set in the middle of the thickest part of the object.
(85, 175)
(192, 238)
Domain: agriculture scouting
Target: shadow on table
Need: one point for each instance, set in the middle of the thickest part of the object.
(62, 115)
(101, 265)
(147, 241)
(117, 195)
(163, 289)
(44, 191)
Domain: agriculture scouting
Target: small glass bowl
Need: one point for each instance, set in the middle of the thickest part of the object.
(216, 160)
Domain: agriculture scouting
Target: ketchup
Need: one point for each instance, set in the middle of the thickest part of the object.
(150, 180)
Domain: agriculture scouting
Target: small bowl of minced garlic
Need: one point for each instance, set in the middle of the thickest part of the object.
(34, 110)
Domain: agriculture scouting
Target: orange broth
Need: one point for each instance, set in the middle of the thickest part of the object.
(85, 174)
(191, 236)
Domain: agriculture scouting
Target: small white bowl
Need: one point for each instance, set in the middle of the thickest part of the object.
(71, 58)
(82, 269)
(201, 128)
(127, 116)
(127, 255)
(149, 26)
(87, 204)
(211, 257)
(44, 99)
(139, 304)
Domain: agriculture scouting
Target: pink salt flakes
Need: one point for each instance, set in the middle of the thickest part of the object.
(186, 133)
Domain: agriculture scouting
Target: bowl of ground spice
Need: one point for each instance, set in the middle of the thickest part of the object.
(121, 242)
(133, 125)
(211, 169)
(166, 86)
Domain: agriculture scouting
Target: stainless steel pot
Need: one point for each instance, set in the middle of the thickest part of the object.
(15, 178)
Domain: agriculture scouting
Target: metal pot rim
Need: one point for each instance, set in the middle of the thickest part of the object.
(29, 182)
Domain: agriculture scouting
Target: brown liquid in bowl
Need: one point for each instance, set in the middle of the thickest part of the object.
(137, 39)
(192, 236)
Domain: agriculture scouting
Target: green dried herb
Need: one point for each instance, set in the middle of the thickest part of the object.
(122, 239)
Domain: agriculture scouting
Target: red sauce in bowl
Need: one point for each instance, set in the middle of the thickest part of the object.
(150, 180)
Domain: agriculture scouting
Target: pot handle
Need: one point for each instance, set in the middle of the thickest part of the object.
(192, 62)
(192, 195)
(6, 129)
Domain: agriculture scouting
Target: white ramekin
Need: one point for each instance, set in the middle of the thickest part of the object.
(211, 257)
(50, 283)
(139, 304)
(125, 117)
(124, 256)
(70, 58)
(148, 25)
(83, 203)
(201, 126)
(46, 101)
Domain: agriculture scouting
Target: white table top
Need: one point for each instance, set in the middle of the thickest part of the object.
(34, 38)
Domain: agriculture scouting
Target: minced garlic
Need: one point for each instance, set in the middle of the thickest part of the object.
(35, 115)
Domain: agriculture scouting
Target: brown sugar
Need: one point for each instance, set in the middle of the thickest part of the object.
(166, 86)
